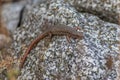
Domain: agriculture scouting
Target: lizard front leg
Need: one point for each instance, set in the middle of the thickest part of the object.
(68, 38)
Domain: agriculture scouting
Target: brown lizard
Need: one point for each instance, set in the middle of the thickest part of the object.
(58, 29)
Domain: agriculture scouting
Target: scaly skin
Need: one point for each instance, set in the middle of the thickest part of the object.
(60, 30)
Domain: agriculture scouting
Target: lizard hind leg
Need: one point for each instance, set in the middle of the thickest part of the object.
(49, 36)
(48, 39)
(68, 39)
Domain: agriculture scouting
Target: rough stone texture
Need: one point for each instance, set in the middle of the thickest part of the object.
(81, 59)
(93, 58)
(108, 10)
(118, 60)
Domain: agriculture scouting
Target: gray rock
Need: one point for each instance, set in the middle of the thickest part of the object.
(11, 14)
(79, 60)
(108, 10)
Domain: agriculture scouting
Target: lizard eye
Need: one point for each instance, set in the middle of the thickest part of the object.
(77, 28)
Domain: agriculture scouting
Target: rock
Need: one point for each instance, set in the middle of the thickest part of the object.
(107, 10)
(5, 36)
(79, 60)
(11, 14)
(83, 60)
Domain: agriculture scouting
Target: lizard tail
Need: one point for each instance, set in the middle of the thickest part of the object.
(22, 60)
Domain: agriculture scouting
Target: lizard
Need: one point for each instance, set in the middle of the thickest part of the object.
(51, 30)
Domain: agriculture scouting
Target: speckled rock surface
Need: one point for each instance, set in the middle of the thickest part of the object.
(93, 58)
(108, 10)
